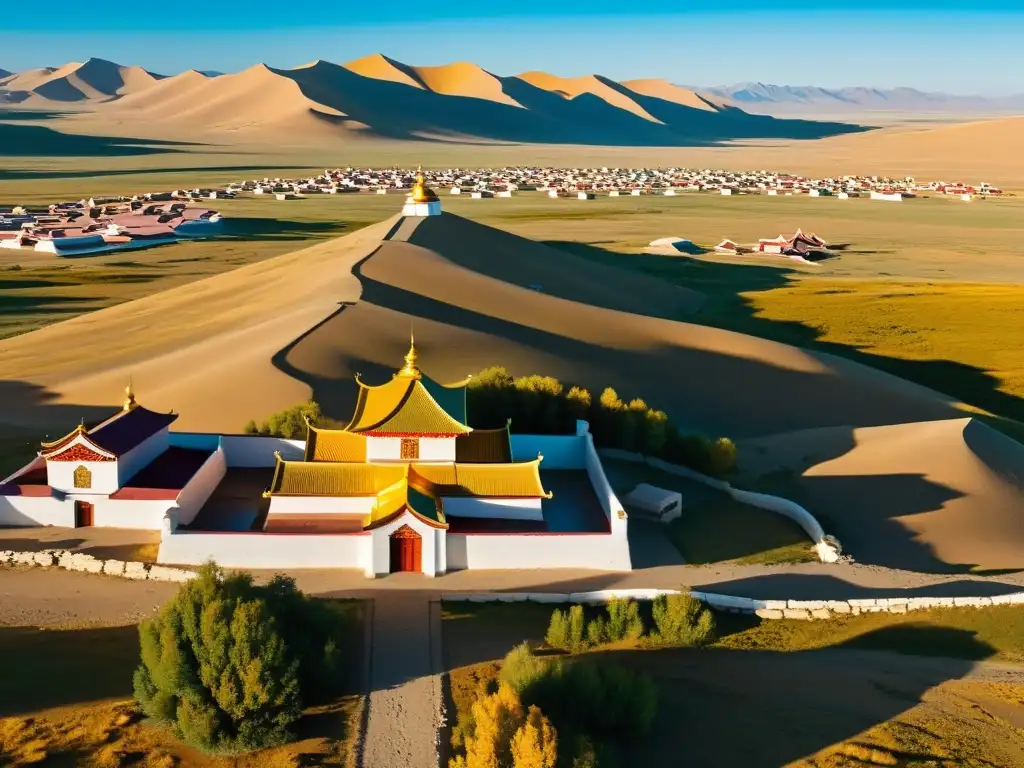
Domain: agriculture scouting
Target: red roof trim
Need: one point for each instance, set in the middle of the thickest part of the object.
(145, 494)
(374, 433)
(29, 491)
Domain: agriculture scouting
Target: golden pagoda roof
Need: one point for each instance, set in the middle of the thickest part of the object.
(403, 496)
(324, 478)
(334, 445)
(510, 480)
(408, 405)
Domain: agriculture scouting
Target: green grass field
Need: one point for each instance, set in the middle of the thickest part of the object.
(927, 290)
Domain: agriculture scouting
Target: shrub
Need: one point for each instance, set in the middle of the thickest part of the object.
(682, 620)
(289, 423)
(503, 736)
(227, 664)
(597, 632)
(723, 457)
(624, 622)
(567, 630)
(535, 744)
(521, 670)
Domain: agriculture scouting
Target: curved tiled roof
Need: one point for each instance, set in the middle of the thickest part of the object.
(334, 445)
(403, 407)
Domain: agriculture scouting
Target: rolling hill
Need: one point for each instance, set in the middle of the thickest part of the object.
(242, 344)
(94, 80)
(383, 97)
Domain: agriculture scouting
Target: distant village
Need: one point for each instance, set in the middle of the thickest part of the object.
(98, 225)
(588, 183)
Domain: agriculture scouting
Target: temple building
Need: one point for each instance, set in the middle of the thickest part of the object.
(406, 485)
(421, 201)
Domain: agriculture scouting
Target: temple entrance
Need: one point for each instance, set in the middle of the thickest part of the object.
(406, 551)
(83, 514)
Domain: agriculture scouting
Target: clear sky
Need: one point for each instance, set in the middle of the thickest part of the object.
(961, 46)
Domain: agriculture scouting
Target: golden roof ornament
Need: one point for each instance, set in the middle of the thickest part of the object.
(129, 396)
(410, 370)
(420, 192)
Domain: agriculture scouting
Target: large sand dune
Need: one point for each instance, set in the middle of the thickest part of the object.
(379, 96)
(96, 79)
(240, 345)
(930, 496)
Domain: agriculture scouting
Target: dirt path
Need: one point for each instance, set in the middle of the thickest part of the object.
(405, 711)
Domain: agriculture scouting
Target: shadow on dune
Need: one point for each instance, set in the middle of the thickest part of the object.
(36, 140)
(399, 110)
(804, 586)
(20, 175)
(724, 285)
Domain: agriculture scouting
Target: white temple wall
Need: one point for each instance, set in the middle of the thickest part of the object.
(334, 505)
(383, 449)
(61, 475)
(256, 451)
(559, 451)
(603, 490)
(607, 552)
(36, 510)
(267, 550)
(141, 456)
(130, 513)
(437, 449)
(501, 509)
(202, 485)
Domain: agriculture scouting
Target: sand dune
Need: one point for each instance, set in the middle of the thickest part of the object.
(594, 85)
(929, 496)
(379, 96)
(662, 89)
(464, 79)
(245, 343)
(96, 79)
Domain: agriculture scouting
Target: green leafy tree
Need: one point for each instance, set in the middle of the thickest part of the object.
(222, 664)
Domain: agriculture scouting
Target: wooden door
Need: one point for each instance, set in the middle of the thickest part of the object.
(83, 514)
(406, 551)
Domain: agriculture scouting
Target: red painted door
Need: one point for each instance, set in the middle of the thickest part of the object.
(83, 514)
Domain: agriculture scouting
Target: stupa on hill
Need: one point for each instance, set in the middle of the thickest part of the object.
(421, 201)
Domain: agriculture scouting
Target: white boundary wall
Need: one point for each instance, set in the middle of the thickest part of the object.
(36, 510)
(202, 485)
(766, 609)
(603, 551)
(267, 550)
(827, 546)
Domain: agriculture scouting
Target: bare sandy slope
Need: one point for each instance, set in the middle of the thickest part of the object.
(464, 79)
(662, 89)
(203, 350)
(593, 85)
(95, 79)
(256, 100)
(911, 495)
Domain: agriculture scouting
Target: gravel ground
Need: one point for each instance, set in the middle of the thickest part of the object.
(405, 710)
(53, 597)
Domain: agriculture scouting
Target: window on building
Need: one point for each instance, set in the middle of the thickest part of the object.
(410, 448)
(83, 478)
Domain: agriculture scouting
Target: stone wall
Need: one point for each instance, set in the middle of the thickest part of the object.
(766, 609)
(78, 561)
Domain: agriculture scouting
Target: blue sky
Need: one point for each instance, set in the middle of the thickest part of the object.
(960, 47)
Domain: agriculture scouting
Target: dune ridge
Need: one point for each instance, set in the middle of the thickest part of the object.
(380, 96)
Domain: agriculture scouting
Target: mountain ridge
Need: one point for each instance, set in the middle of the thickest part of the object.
(381, 96)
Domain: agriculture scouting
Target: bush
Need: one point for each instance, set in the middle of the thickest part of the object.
(567, 630)
(229, 665)
(682, 620)
(289, 423)
(624, 622)
(521, 670)
(503, 736)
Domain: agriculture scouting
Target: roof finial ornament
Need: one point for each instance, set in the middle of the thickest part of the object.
(410, 369)
(129, 396)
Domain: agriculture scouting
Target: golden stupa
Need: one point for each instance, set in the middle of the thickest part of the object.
(421, 193)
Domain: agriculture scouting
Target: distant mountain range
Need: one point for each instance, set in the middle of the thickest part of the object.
(383, 97)
(765, 98)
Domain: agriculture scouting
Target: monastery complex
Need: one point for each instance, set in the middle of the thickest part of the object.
(406, 485)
